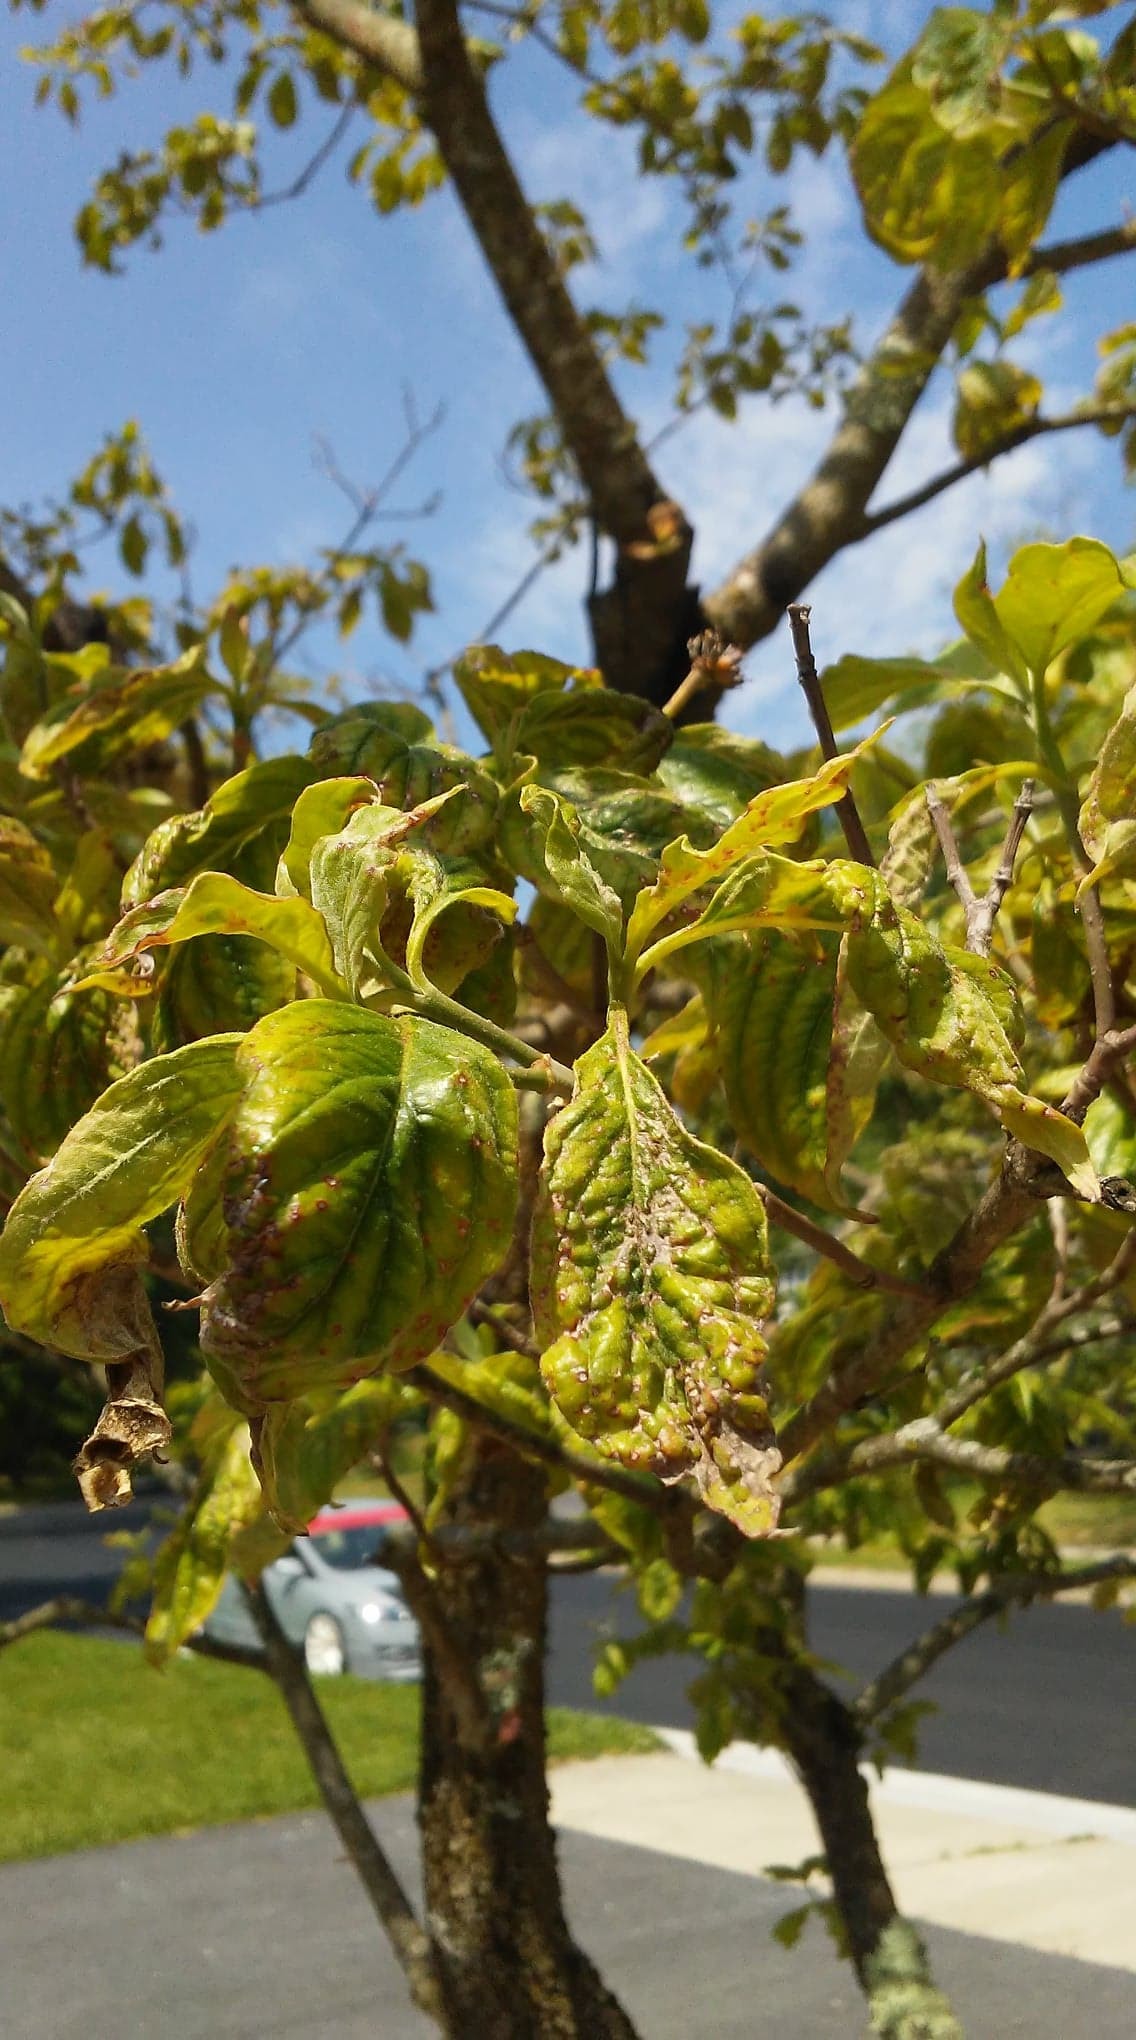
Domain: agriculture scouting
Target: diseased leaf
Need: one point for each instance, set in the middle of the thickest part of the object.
(361, 1192)
(771, 1002)
(320, 810)
(717, 773)
(215, 904)
(591, 726)
(979, 617)
(406, 771)
(55, 1059)
(219, 984)
(651, 1280)
(72, 1249)
(457, 917)
(126, 713)
(992, 399)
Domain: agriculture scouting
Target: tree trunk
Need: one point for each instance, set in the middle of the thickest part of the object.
(508, 1966)
(891, 1962)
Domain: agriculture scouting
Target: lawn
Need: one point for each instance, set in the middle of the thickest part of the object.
(97, 1747)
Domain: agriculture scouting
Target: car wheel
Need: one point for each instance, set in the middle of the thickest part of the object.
(325, 1652)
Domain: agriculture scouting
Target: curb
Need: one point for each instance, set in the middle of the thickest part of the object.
(1049, 1813)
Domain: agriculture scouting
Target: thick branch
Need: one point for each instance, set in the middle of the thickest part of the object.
(597, 431)
(375, 1873)
(390, 45)
(1062, 256)
(828, 513)
(912, 1664)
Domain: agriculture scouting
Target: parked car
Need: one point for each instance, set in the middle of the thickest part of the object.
(330, 1593)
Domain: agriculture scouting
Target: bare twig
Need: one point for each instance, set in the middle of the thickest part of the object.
(911, 1665)
(315, 163)
(923, 1439)
(855, 834)
(981, 914)
(1103, 246)
(376, 1874)
(66, 1610)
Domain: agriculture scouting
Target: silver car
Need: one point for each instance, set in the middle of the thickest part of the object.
(330, 1594)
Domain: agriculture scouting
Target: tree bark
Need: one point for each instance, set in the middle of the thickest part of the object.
(824, 1743)
(508, 1966)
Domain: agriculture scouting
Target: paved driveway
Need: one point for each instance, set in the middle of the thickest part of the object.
(261, 1930)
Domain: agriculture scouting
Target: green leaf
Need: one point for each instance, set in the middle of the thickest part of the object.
(718, 773)
(766, 891)
(28, 886)
(976, 612)
(215, 904)
(360, 1194)
(771, 1003)
(190, 1568)
(282, 103)
(572, 872)
(497, 687)
(1108, 813)
(992, 398)
(855, 687)
(126, 713)
(252, 808)
(1055, 594)
(307, 1447)
(651, 1279)
(772, 817)
(73, 1247)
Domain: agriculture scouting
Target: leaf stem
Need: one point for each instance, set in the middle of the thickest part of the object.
(538, 1072)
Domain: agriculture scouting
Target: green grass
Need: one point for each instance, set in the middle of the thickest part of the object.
(97, 1747)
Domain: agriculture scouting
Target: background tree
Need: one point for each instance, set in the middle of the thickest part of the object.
(966, 1310)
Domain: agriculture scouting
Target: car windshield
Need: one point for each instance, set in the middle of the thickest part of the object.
(349, 1549)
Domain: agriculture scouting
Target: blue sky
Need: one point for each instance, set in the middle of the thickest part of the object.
(235, 350)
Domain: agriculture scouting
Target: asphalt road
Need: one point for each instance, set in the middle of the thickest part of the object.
(263, 1929)
(1048, 1703)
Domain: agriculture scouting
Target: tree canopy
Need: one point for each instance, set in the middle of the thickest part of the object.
(742, 1138)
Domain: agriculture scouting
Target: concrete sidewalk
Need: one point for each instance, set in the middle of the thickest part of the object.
(1056, 1875)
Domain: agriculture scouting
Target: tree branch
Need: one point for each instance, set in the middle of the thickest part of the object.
(635, 1487)
(1026, 1351)
(1109, 1053)
(1063, 256)
(391, 46)
(912, 1664)
(981, 914)
(827, 513)
(1030, 428)
(860, 1272)
(390, 1902)
(923, 1440)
